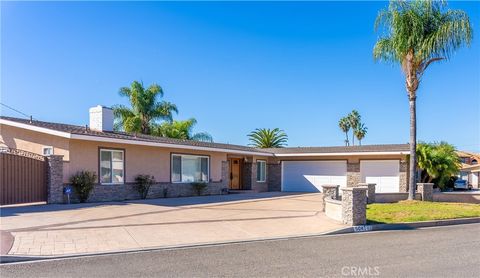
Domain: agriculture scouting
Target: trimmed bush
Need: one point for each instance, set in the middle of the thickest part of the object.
(199, 187)
(143, 184)
(82, 183)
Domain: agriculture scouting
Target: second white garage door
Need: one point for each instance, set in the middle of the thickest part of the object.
(385, 173)
(309, 176)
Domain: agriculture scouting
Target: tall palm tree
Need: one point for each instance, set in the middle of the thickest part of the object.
(417, 34)
(145, 108)
(360, 132)
(268, 138)
(344, 125)
(354, 119)
(181, 130)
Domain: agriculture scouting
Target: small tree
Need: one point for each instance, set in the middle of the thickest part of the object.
(83, 183)
(143, 184)
(438, 162)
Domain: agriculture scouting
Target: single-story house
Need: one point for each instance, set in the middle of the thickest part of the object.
(118, 157)
(470, 168)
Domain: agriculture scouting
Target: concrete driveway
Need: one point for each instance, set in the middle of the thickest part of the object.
(52, 230)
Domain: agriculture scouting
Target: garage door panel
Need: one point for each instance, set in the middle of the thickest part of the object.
(384, 173)
(309, 176)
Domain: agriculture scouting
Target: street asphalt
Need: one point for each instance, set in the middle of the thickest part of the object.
(450, 251)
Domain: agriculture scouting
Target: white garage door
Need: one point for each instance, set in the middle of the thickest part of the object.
(309, 176)
(385, 173)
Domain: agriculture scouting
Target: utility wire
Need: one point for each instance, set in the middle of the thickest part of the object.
(20, 112)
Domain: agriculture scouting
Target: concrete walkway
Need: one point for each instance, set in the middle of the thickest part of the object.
(52, 230)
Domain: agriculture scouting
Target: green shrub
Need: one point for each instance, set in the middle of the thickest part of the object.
(82, 183)
(198, 187)
(143, 184)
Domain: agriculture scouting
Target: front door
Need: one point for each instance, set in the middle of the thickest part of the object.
(235, 170)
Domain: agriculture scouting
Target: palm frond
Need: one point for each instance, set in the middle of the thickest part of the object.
(268, 138)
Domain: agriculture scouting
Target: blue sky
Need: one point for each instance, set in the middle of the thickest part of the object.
(234, 67)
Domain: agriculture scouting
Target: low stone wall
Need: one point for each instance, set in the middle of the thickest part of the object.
(121, 192)
(333, 209)
(349, 208)
(457, 197)
(394, 197)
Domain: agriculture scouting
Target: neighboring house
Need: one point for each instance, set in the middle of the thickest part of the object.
(117, 157)
(470, 167)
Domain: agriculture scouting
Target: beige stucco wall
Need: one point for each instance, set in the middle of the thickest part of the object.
(34, 142)
(139, 159)
(83, 155)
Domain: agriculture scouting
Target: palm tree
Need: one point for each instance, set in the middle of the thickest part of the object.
(354, 119)
(360, 132)
(344, 125)
(438, 162)
(419, 33)
(268, 138)
(181, 130)
(145, 108)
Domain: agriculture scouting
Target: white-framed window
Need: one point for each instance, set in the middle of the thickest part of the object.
(112, 166)
(261, 170)
(190, 168)
(47, 150)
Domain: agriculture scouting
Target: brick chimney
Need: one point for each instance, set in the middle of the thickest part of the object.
(101, 118)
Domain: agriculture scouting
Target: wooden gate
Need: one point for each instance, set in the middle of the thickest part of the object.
(23, 177)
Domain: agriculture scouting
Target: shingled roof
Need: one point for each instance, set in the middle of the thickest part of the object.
(85, 131)
(342, 149)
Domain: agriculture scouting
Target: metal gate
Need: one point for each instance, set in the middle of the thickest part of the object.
(23, 177)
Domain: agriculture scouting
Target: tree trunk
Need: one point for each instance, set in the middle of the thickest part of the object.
(353, 138)
(346, 141)
(413, 147)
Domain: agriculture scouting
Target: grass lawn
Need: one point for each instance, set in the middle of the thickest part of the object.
(413, 211)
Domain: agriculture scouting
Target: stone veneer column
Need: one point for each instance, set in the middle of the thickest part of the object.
(274, 176)
(329, 191)
(54, 179)
(247, 175)
(370, 191)
(225, 177)
(353, 174)
(403, 176)
(354, 205)
(426, 190)
(250, 178)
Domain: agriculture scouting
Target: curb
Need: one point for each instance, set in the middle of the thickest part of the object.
(405, 226)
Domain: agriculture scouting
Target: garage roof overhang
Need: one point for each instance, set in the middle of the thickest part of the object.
(341, 154)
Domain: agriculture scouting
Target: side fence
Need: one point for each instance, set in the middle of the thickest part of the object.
(23, 177)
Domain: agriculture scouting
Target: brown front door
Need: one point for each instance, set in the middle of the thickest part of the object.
(235, 167)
